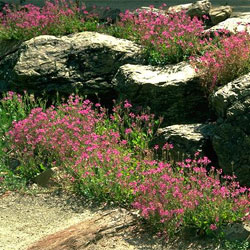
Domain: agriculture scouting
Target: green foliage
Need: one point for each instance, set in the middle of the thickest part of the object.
(236, 245)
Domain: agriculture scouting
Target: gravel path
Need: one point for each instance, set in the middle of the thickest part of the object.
(26, 218)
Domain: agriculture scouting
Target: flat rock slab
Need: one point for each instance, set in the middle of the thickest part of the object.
(172, 91)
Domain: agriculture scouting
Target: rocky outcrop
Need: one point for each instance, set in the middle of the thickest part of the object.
(173, 91)
(87, 61)
(234, 24)
(187, 139)
(199, 8)
(220, 14)
(178, 8)
(100, 64)
(231, 141)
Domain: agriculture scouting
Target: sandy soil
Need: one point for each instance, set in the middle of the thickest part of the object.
(26, 218)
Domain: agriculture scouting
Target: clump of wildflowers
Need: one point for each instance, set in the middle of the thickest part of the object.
(167, 38)
(99, 154)
(107, 157)
(172, 197)
(54, 18)
(225, 62)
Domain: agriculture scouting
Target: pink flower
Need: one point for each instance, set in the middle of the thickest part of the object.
(213, 227)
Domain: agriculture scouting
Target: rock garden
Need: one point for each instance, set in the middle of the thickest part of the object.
(148, 110)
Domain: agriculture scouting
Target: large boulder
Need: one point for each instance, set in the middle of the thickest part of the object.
(187, 139)
(86, 60)
(150, 9)
(234, 24)
(180, 7)
(220, 14)
(199, 8)
(173, 91)
(231, 141)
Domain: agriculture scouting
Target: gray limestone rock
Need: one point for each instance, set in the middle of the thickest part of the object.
(220, 14)
(173, 91)
(180, 7)
(187, 139)
(85, 60)
(234, 24)
(199, 8)
(231, 141)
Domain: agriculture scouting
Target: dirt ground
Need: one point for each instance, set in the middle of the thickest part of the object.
(27, 218)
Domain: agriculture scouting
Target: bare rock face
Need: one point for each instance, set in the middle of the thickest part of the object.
(234, 24)
(173, 91)
(187, 139)
(148, 9)
(237, 231)
(199, 8)
(44, 179)
(231, 141)
(180, 7)
(86, 60)
(85, 234)
(220, 14)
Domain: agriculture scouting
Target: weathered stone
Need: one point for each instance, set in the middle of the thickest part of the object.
(187, 139)
(173, 91)
(178, 8)
(86, 60)
(234, 24)
(237, 231)
(45, 178)
(148, 9)
(83, 235)
(232, 134)
(199, 8)
(9, 46)
(220, 14)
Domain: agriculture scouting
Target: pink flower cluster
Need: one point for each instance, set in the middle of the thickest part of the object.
(224, 62)
(40, 20)
(172, 36)
(188, 195)
(108, 157)
(95, 151)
